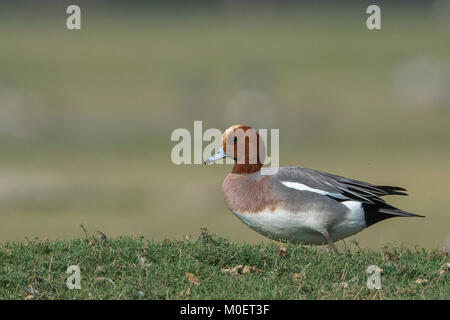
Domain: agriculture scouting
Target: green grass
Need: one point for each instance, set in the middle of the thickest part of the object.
(304, 272)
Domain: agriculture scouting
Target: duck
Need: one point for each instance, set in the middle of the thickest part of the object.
(296, 204)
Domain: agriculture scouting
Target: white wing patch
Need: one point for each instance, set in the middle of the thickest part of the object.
(302, 187)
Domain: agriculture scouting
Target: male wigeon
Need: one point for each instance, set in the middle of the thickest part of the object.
(298, 204)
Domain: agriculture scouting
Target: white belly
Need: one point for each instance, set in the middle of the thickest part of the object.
(305, 227)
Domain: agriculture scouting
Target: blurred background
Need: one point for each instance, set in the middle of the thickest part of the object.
(86, 116)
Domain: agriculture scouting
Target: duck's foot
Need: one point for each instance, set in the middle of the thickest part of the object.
(330, 242)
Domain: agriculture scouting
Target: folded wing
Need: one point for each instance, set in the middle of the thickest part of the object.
(344, 189)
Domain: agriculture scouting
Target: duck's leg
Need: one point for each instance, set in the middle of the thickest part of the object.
(330, 242)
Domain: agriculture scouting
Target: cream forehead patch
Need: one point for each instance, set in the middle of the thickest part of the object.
(232, 128)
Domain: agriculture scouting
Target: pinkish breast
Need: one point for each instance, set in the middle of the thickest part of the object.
(247, 194)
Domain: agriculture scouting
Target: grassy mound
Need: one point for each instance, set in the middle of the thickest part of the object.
(213, 268)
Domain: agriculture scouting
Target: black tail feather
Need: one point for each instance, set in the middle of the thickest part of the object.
(398, 212)
(380, 211)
